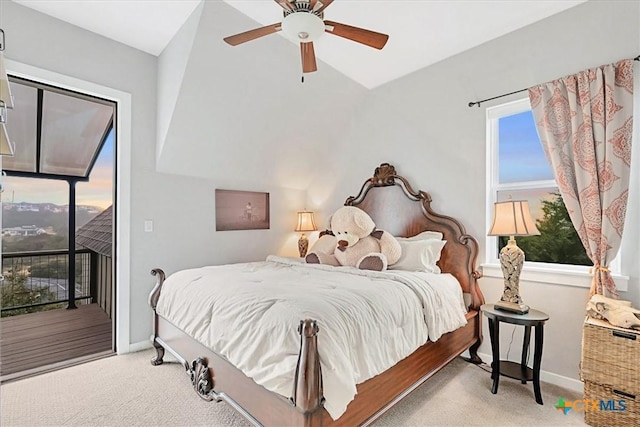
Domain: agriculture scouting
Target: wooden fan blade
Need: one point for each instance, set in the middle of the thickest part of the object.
(252, 34)
(285, 4)
(323, 5)
(360, 35)
(308, 58)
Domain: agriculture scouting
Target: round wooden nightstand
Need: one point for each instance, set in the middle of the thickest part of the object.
(510, 369)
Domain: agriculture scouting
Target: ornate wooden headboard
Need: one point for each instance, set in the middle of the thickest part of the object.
(395, 207)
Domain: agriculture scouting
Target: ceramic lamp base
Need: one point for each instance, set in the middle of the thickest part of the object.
(303, 246)
(512, 307)
(511, 261)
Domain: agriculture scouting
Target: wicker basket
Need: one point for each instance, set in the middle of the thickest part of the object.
(609, 370)
(613, 415)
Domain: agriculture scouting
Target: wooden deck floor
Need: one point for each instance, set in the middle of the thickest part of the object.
(32, 341)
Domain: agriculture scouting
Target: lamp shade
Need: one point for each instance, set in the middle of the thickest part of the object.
(305, 222)
(512, 218)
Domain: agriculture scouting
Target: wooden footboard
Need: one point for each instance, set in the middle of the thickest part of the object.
(225, 382)
(215, 378)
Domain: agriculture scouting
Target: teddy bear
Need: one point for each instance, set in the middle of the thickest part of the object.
(354, 241)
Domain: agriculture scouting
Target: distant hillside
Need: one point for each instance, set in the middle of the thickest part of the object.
(45, 215)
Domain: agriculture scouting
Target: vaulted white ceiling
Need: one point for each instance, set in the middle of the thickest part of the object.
(421, 32)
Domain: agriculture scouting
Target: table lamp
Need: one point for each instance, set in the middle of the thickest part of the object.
(305, 223)
(512, 218)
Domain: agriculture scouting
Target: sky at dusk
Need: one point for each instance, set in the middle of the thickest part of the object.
(98, 191)
(518, 135)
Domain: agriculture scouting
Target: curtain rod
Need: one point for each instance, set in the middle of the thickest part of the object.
(471, 104)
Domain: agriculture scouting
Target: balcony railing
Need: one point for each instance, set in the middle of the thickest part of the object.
(38, 280)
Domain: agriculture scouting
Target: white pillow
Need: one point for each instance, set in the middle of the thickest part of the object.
(425, 235)
(419, 255)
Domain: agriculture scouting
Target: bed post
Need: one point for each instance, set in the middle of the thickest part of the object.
(477, 299)
(307, 384)
(153, 301)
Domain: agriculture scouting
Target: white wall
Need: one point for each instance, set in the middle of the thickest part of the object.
(244, 121)
(242, 111)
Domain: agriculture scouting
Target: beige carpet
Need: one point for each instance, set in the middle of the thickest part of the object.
(128, 391)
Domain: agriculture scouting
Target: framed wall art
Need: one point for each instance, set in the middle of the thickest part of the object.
(241, 210)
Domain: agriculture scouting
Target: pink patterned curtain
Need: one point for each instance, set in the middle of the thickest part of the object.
(585, 124)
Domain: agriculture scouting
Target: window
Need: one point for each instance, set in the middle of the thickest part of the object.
(518, 168)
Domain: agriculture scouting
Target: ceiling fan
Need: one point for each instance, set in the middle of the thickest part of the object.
(303, 23)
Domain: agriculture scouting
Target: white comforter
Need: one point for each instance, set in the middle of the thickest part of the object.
(368, 321)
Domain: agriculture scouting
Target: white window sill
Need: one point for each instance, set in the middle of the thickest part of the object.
(577, 276)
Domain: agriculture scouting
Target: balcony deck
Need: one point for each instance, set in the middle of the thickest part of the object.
(40, 341)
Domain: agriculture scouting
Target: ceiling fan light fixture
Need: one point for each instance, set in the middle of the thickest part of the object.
(303, 24)
(302, 27)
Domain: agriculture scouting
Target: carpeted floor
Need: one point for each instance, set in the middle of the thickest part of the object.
(128, 391)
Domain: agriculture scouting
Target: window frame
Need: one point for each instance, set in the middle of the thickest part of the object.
(551, 273)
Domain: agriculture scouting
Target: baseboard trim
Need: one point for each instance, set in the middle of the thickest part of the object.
(139, 346)
(549, 377)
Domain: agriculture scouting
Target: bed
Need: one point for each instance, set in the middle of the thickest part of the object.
(310, 398)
